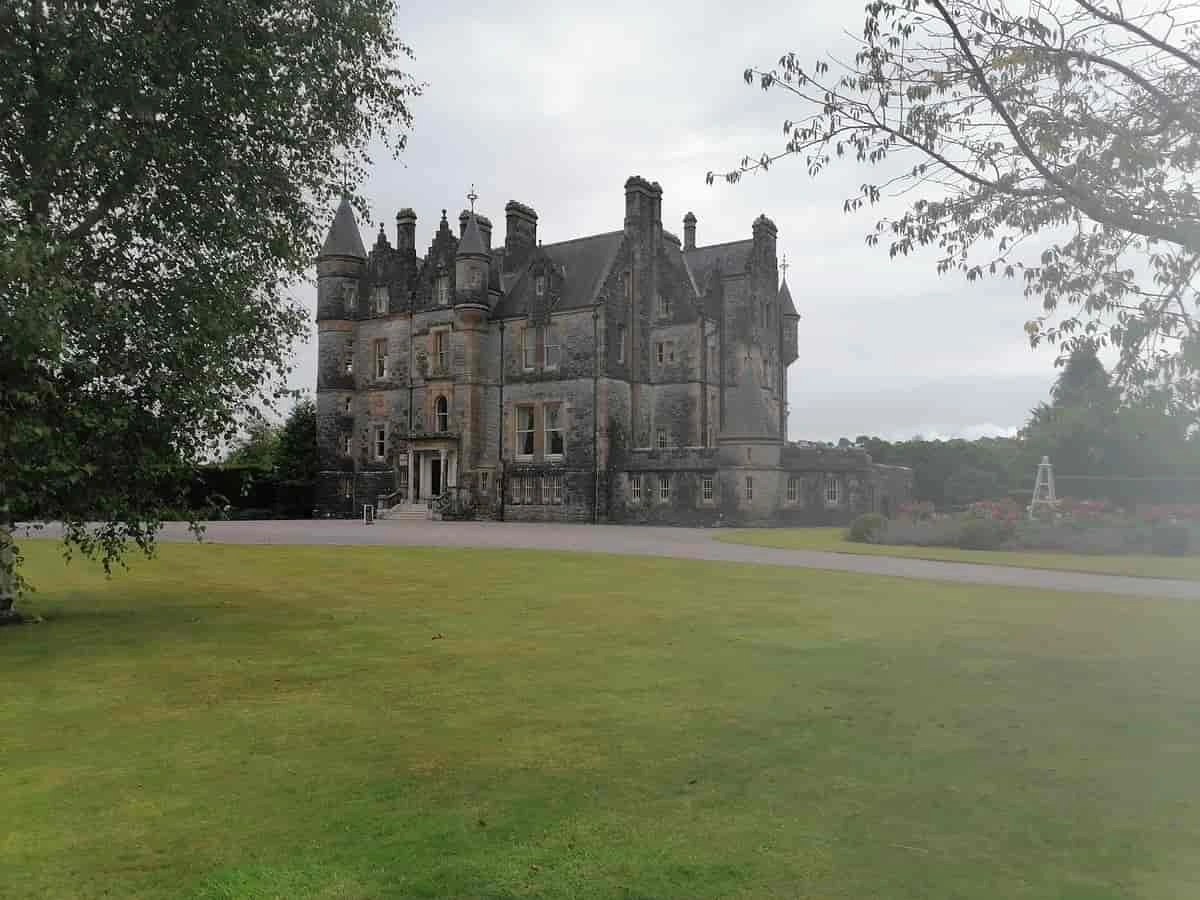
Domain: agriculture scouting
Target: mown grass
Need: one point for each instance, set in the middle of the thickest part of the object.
(834, 540)
(332, 722)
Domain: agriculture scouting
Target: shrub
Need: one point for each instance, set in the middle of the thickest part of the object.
(984, 534)
(1170, 539)
(867, 529)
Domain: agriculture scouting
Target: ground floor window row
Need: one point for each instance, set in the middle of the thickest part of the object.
(535, 490)
(644, 486)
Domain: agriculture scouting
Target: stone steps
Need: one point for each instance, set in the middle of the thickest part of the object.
(407, 512)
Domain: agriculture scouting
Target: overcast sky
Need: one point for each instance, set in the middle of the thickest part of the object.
(556, 107)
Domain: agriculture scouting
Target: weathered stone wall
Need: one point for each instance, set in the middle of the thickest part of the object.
(610, 425)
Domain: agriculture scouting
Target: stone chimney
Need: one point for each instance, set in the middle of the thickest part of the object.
(639, 205)
(520, 234)
(406, 230)
(689, 231)
(485, 228)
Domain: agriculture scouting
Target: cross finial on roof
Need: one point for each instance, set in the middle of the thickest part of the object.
(784, 265)
(472, 197)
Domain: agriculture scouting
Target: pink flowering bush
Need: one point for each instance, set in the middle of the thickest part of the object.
(917, 512)
(1070, 526)
(1169, 512)
(1006, 510)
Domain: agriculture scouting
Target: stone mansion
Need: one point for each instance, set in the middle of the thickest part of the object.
(620, 377)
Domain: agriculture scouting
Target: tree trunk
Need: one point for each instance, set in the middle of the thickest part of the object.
(8, 575)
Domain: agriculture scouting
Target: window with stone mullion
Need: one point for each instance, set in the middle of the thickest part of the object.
(552, 416)
(525, 431)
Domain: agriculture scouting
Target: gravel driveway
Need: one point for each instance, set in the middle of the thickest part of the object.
(681, 543)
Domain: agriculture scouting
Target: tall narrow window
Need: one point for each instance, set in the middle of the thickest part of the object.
(621, 343)
(664, 307)
(476, 278)
(660, 352)
(485, 481)
(524, 431)
(550, 347)
(381, 357)
(379, 299)
(749, 488)
(441, 356)
(707, 488)
(380, 443)
(348, 407)
(529, 348)
(627, 285)
(635, 487)
(539, 285)
(515, 488)
(348, 444)
(552, 414)
(530, 486)
(547, 489)
(443, 414)
(662, 439)
(347, 486)
(349, 362)
(442, 290)
(793, 488)
(664, 487)
(556, 489)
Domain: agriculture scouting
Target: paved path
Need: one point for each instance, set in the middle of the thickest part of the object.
(684, 543)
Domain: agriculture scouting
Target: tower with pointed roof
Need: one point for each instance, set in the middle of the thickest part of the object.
(625, 376)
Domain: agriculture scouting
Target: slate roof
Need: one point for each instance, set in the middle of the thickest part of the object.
(745, 414)
(732, 257)
(586, 262)
(344, 238)
(787, 307)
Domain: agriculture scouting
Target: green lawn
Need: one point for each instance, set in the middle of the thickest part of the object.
(280, 722)
(833, 539)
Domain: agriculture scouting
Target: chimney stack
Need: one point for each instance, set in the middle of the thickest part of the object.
(520, 234)
(406, 230)
(689, 231)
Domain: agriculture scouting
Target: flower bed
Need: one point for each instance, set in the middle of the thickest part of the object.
(1074, 526)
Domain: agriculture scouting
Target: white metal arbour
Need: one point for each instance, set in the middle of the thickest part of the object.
(1043, 487)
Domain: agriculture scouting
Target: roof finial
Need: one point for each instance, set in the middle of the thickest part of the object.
(784, 265)
(472, 197)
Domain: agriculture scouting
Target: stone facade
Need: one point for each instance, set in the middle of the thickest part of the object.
(621, 377)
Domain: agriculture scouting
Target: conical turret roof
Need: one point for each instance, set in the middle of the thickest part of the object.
(344, 238)
(787, 307)
(472, 239)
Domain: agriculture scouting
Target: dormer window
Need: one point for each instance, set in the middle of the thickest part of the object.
(379, 300)
(539, 285)
(442, 290)
(664, 307)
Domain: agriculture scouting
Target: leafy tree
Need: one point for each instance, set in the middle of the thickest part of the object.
(258, 447)
(164, 168)
(1086, 431)
(1054, 142)
(296, 451)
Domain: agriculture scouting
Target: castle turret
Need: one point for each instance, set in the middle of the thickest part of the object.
(471, 263)
(340, 269)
